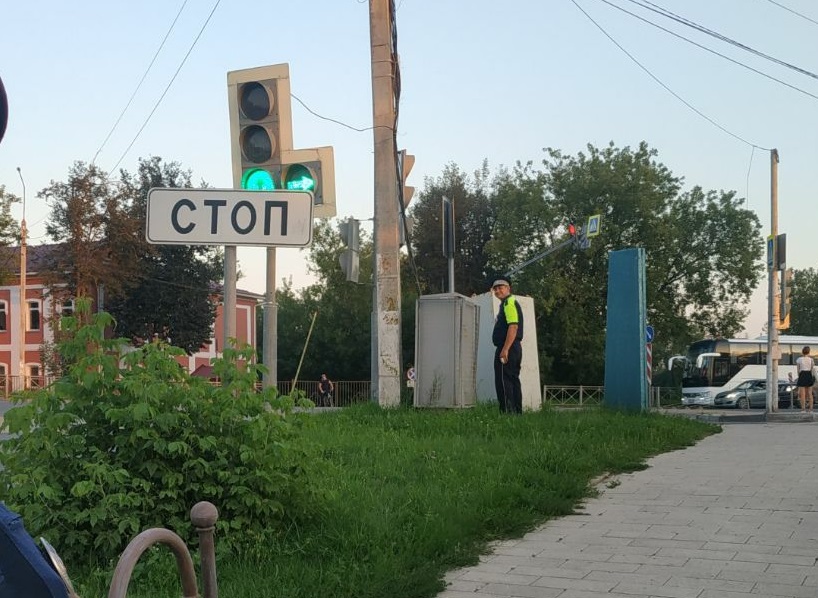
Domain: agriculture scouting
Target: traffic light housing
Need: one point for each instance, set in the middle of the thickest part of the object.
(260, 125)
(405, 164)
(311, 170)
(349, 258)
(261, 139)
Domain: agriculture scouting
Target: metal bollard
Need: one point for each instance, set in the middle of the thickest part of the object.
(203, 515)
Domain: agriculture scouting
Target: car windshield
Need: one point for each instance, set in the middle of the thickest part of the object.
(747, 384)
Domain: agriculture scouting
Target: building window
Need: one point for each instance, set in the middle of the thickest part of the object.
(33, 376)
(4, 385)
(33, 315)
(67, 308)
(3, 316)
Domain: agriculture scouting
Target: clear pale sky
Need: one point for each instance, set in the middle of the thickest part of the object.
(480, 79)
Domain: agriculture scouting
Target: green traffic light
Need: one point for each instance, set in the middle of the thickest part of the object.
(299, 178)
(257, 179)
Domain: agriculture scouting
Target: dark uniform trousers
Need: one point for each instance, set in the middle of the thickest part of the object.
(507, 379)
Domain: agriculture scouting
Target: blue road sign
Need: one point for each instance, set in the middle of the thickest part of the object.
(649, 333)
(592, 230)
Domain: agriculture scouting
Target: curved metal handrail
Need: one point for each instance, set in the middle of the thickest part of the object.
(203, 515)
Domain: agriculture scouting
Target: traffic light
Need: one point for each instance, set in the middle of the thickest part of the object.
(261, 139)
(572, 229)
(405, 164)
(350, 235)
(260, 125)
(311, 170)
(785, 299)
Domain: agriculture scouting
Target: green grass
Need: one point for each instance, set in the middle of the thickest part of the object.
(410, 495)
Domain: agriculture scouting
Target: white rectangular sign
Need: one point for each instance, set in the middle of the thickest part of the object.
(229, 217)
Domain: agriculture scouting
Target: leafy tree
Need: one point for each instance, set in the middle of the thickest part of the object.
(174, 294)
(702, 248)
(804, 302)
(340, 341)
(474, 218)
(166, 290)
(92, 222)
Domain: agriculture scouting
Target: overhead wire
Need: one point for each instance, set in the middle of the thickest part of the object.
(167, 88)
(795, 12)
(660, 82)
(139, 85)
(712, 51)
(648, 5)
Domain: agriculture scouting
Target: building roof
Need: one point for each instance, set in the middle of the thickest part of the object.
(37, 258)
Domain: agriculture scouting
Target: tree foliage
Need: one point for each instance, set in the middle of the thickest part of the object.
(149, 289)
(474, 221)
(702, 248)
(804, 302)
(174, 294)
(340, 342)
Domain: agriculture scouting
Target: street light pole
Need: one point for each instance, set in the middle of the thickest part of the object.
(23, 268)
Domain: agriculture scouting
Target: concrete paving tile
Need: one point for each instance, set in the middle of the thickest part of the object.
(663, 591)
(790, 591)
(512, 591)
(761, 575)
(711, 584)
(478, 574)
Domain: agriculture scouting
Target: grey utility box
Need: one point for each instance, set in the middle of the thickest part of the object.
(446, 337)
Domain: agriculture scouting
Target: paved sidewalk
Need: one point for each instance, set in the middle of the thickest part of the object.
(734, 516)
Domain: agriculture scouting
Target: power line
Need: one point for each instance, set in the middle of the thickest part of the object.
(164, 93)
(701, 28)
(139, 85)
(705, 48)
(795, 12)
(659, 81)
(332, 120)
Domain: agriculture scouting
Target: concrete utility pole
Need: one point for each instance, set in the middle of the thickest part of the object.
(772, 299)
(387, 327)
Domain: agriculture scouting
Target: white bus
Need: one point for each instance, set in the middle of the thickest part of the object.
(715, 365)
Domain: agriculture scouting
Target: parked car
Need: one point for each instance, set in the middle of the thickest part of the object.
(752, 394)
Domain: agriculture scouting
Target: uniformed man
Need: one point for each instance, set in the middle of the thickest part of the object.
(508, 356)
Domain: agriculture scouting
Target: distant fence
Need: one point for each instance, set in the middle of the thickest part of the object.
(346, 392)
(586, 396)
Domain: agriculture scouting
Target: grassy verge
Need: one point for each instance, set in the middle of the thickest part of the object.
(410, 495)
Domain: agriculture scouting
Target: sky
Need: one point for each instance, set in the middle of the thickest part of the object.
(495, 81)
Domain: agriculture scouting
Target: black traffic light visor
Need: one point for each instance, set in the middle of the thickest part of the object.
(4, 110)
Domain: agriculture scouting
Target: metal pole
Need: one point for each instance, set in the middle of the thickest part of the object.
(270, 322)
(772, 303)
(229, 305)
(23, 272)
(387, 263)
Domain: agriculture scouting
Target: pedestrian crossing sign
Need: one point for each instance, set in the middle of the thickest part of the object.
(592, 230)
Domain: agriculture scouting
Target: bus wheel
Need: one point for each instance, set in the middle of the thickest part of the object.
(743, 403)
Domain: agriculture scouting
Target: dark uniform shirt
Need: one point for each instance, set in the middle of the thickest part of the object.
(511, 312)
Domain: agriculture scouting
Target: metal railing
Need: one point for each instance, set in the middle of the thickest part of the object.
(572, 396)
(346, 393)
(585, 396)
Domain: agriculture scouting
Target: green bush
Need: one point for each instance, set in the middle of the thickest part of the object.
(124, 442)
